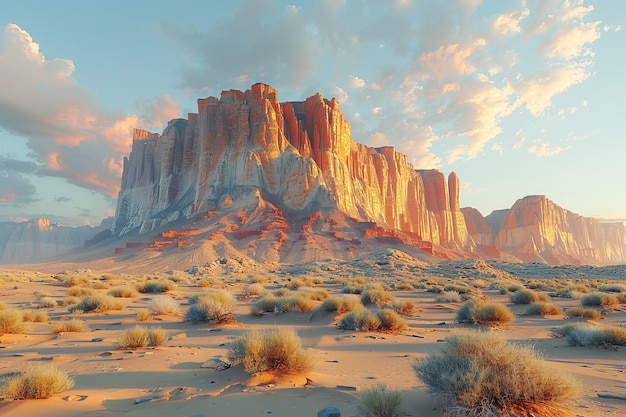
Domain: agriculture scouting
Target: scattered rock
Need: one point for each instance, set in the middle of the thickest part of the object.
(348, 387)
(97, 339)
(612, 395)
(329, 412)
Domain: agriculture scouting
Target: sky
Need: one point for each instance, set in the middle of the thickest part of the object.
(518, 97)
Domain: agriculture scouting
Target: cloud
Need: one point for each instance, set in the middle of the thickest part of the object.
(62, 199)
(70, 135)
(543, 149)
(570, 42)
(507, 23)
(15, 188)
(340, 94)
(356, 82)
(292, 46)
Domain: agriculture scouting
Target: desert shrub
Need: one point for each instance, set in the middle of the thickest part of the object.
(621, 298)
(74, 326)
(543, 309)
(123, 292)
(404, 286)
(390, 321)
(139, 336)
(481, 312)
(375, 294)
(448, 297)
(283, 292)
(458, 287)
(277, 350)
(294, 303)
(79, 292)
(379, 401)
(527, 296)
(587, 313)
(68, 301)
(40, 317)
(340, 304)
(163, 285)
(76, 280)
(315, 294)
(586, 334)
(438, 289)
(266, 304)
(27, 315)
(484, 375)
(598, 299)
(36, 382)
(612, 288)
(12, 322)
(213, 307)
(2, 306)
(162, 304)
(257, 279)
(299, 283)
(402, 307)
(142, 315)
(352, 288)
(98, 303)
(47, 302)
(361, 320)
(252, 290)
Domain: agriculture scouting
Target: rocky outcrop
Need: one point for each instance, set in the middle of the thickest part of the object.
(535, 229)
(39, 239)
(246, 149)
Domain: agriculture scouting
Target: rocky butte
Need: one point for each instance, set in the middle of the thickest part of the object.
(286, 182)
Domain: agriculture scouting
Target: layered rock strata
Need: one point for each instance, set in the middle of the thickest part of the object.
(246, 147)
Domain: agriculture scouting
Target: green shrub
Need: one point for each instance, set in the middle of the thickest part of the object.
(69, 326)
(598, 299)
(587, 313)
(123, 292)
(12, 322)
(379, 401)
(98, 303)
(543, 309)
(162, 304)
(361, 320)
(213, 307)
(612, 288)
(36, 382)
(156, 286)
(484, 375)
(277, 351)
(481, 312)
(139, 336)
(586, 334)
(525, 296)
(340, 304)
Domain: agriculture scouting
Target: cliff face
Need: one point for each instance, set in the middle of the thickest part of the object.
(39, 239)
(246, 149)
(535, 229)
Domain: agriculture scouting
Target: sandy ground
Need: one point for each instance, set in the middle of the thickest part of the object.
(184, 377)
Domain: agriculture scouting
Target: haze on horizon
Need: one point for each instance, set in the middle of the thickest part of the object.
(518, 97)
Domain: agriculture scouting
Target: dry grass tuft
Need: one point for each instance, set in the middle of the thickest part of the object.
(481, 312)
(587, 334)
(139, 336)
(214, 306)
(37, 382)
(123, 292)
(98, 303)
(142, 315)
(543, 309)
(156, 286)
(484, 375)
(278, 351)
(360, 320)
(340, 303)
(587, 313)
(525, 296)
(162, 304)
(598, 299)
(12, 322)
(379, 401)
(74, 326)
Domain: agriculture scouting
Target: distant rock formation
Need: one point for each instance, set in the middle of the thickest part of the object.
(246, 149)
(40, 239)
(535, 229)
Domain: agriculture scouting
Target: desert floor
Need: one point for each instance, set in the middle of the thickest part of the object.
(184, 377)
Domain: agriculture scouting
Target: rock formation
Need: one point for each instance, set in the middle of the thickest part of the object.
(247, 150)
(535, 229)
(286, 181)
(39, 239)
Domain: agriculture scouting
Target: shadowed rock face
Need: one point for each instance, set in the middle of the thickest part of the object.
(247, 149)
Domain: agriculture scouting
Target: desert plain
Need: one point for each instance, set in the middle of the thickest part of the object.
(190, 375)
